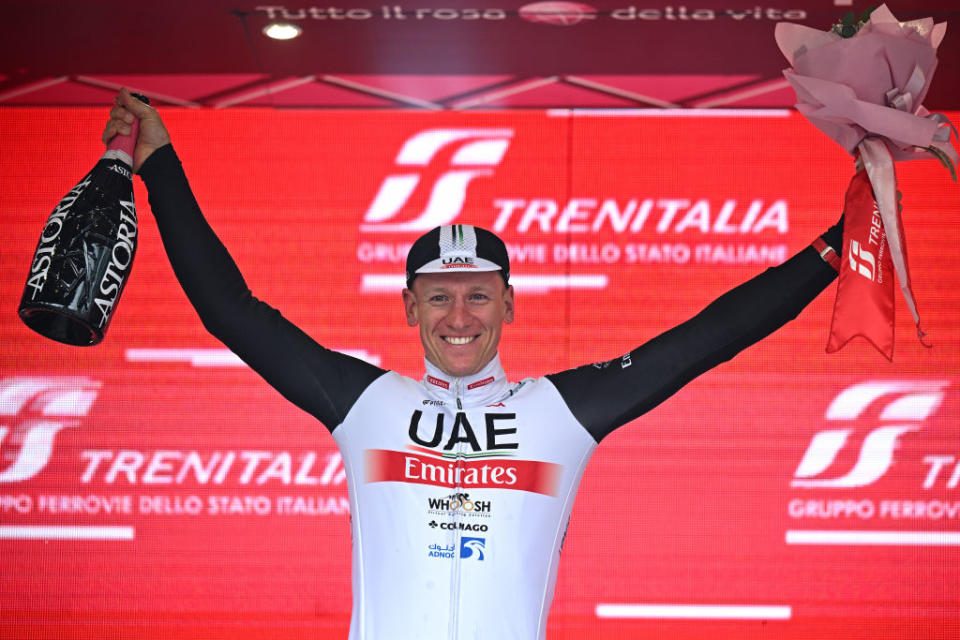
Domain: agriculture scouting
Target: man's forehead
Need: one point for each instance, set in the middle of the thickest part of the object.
(439, 281)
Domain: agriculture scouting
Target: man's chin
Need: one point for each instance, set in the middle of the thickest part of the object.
(461, 372)
(459, 368)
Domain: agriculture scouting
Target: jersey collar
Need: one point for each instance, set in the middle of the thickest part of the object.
(487, 386)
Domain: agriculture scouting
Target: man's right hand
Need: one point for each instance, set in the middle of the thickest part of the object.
(152, 135)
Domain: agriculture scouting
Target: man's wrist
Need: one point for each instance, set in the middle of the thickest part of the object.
(161, 161)
(827, 253)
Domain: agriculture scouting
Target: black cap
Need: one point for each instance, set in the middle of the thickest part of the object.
(457, 248)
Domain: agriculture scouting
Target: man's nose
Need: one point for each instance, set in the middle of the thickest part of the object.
(459, 315)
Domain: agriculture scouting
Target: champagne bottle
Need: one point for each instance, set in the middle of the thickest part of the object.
(85, 253)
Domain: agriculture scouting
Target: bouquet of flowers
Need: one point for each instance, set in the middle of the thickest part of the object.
(862, 83)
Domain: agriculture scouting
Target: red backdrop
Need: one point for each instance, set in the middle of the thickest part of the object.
(786, 493)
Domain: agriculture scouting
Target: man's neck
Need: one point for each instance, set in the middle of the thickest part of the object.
(486, 386)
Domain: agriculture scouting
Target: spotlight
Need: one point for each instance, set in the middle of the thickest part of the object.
(282, 31)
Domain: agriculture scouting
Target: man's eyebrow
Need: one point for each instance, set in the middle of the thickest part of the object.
(434, 289)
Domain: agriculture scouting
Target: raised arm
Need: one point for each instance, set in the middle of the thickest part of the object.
(324, 383)
(608, 395)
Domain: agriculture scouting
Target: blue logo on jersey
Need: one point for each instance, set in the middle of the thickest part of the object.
(472, 547)
(441, 551)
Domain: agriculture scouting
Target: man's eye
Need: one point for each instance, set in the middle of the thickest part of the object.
(480, 297)
(438, 299)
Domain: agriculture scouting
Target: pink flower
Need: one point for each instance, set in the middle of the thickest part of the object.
(871, 84)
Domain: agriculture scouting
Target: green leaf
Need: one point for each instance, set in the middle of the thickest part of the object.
(866, 14)
(848, 18)
(944, 160)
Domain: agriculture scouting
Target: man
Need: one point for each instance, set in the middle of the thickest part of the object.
(464, 433)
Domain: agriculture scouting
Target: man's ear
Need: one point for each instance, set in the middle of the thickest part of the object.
(508, 304)
(410, 307)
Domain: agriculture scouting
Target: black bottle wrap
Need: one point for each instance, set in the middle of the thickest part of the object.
(85, 254)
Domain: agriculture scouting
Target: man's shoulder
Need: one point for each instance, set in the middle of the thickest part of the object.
(397, 380)
(591, 370)
(530, 387)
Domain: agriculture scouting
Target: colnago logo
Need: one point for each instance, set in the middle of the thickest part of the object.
(458, 526)
(907, 404)
(465, 153)
(32, 411)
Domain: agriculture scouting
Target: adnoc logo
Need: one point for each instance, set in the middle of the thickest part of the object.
(473, 548)
(473, 153)
(32, 411)
(906, 405)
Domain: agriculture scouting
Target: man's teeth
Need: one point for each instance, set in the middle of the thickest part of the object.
(458, 340)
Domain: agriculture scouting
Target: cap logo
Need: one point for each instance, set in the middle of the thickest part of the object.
(458, 239)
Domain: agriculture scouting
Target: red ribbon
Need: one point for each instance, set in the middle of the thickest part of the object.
(864, 305)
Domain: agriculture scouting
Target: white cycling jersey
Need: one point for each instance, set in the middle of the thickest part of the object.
(462, 489)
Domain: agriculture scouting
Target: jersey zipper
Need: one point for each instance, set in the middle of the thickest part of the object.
(455, 591)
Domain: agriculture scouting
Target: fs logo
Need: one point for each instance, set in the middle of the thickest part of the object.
(32, 411)
(862, 261)
(471, 153)
(909, 402)
(472, 547)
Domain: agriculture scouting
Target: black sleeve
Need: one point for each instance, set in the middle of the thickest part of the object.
(324, 383)
(607, 395)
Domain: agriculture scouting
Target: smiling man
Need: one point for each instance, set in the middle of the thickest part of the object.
(417, 452)
(458, 293)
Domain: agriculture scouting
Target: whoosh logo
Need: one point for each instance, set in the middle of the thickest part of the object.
(464, 154)
(32, 412)
(908, 404)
